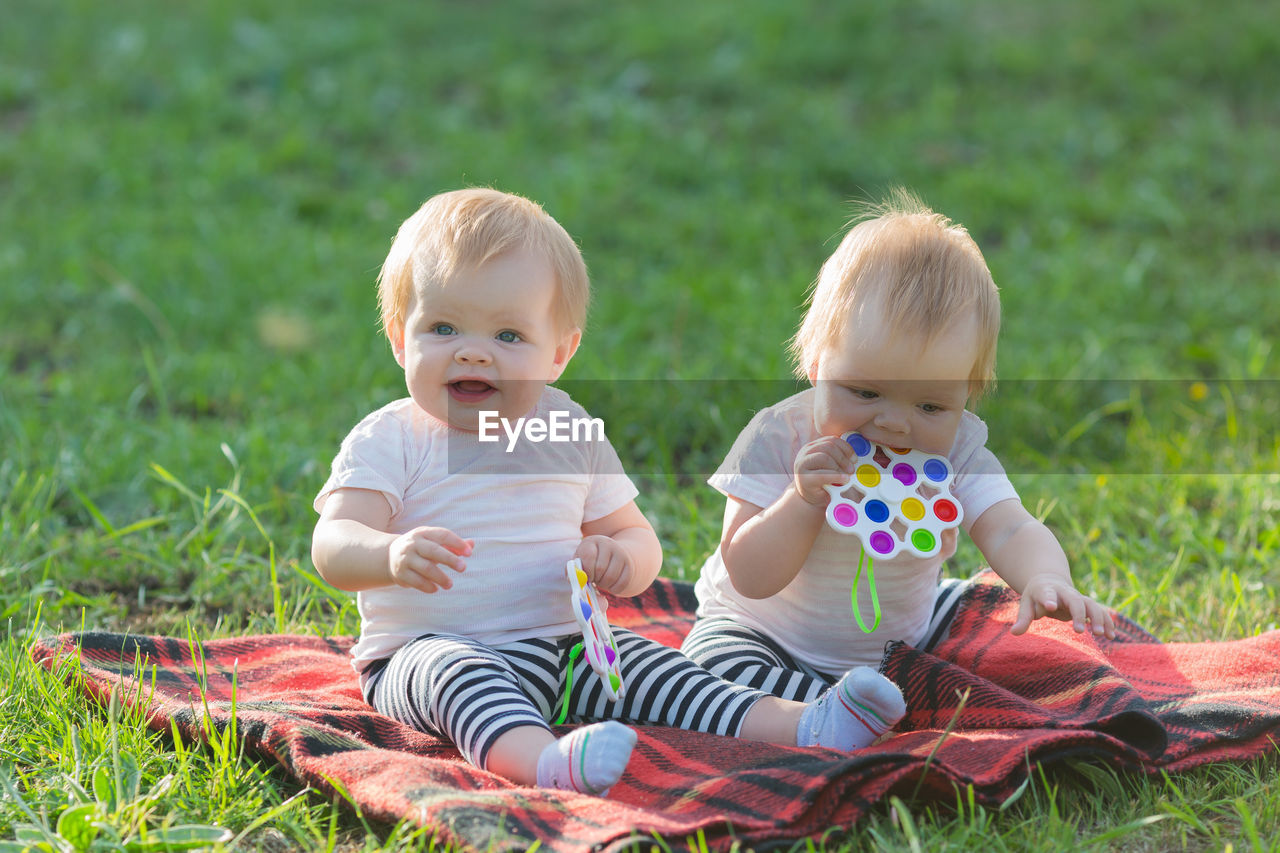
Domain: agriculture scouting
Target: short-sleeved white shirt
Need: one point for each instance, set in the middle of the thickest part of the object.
(524, 509)
(812, 617)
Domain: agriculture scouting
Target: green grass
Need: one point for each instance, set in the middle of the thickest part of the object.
(193, 204)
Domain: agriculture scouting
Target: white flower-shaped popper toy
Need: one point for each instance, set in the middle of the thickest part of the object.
(597, 638)
(905, 492)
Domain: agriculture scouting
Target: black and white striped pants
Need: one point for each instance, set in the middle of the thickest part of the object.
(471, 693)
(746, 656)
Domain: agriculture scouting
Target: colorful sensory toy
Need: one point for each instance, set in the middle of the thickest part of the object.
(597, 639)
(905, 491)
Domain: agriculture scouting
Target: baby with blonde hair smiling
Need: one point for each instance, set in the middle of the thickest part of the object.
(899, 338)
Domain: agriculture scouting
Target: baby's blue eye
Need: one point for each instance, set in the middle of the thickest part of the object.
(930, 408)
(508, 337)
(864, 394)
(442, 329)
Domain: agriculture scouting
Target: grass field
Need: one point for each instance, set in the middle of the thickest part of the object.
(194, 202)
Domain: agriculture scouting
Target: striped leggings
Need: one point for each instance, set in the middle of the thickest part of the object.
(471, 693)
(746, 656)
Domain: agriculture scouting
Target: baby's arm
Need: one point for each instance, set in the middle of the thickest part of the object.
(620, 552)
(352, 550)
(764, 548)
(1029, 558)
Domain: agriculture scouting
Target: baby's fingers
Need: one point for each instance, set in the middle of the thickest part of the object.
(1100, 616)
(1076, 607)
(588, 551)
(422, 574)
(828, 454)
(446, 539)
(610, 572)
(440, 554)
(1047, 599)
(1026, 615)
(841, 456)
(823, 469)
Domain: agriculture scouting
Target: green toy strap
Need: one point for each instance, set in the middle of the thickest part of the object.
(871, 585)
(574, 652)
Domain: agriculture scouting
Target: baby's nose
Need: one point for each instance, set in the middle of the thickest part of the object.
(471, 354)
(891, 419)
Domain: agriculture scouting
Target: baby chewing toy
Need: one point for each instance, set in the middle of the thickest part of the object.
(907, 488)
(897, 500)
(597, 639)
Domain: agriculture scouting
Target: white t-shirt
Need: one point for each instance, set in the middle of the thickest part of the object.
(524, 509)
(811, 617)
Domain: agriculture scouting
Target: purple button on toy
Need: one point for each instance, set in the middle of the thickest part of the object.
(881, 542)
(845, 515)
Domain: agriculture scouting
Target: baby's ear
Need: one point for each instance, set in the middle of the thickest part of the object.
(395, 334)
(564, 351)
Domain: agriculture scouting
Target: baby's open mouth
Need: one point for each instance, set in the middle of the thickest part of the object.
(470, 390)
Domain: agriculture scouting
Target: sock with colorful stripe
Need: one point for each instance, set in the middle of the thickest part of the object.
(588, 760)
(853, 712)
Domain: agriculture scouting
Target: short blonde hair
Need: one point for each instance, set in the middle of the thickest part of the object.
(921, 268)
(461, 230)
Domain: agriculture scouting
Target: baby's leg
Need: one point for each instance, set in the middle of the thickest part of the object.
(745, 656)
(848, 715)
(469, 693)
(458, 688)
(588, 759)
(859, 708)
(663, 687)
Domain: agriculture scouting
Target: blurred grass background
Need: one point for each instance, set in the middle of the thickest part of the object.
(195, 199)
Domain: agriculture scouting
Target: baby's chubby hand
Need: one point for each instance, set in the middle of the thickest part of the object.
(417, 559)
(825, 461)
(1056, 597)
(606, 562)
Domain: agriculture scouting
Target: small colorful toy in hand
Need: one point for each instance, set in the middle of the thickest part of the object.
(904, 489)
(597, 639)
(903, 492)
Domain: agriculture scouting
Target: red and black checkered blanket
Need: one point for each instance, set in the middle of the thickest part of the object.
(984, 708)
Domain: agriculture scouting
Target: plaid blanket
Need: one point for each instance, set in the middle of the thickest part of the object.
(984, 709)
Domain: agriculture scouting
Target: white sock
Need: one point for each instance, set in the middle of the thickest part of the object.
(588, 760)
(853, 712)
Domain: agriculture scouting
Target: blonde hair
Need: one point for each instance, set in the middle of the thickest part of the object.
(461, 230)
(919, 267)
